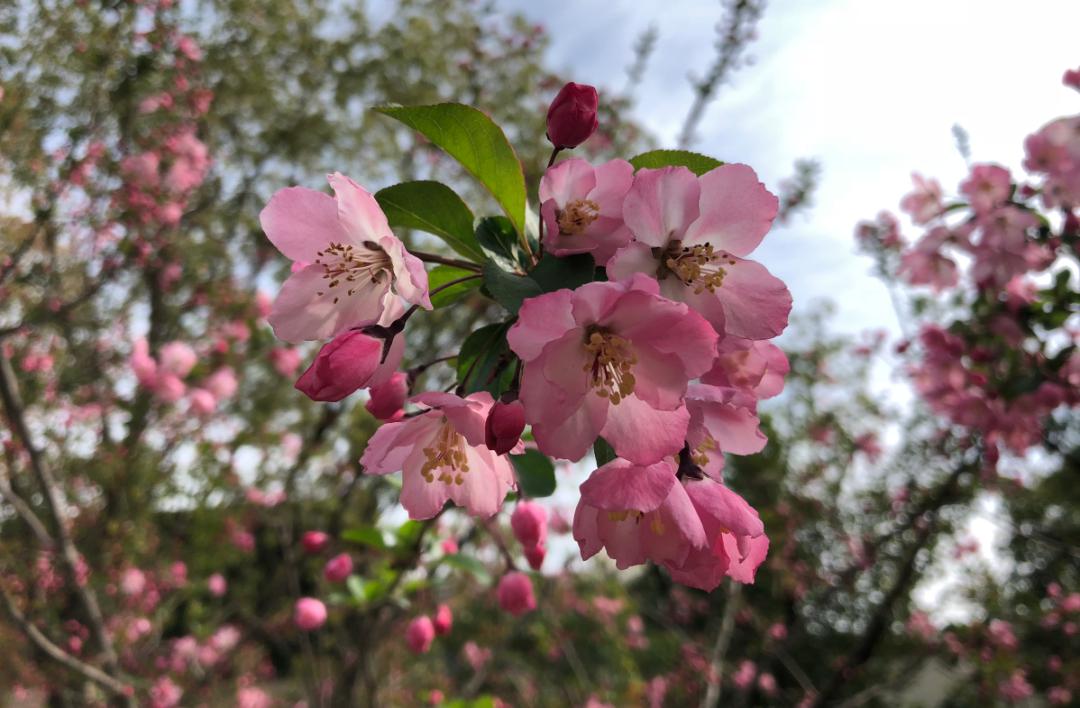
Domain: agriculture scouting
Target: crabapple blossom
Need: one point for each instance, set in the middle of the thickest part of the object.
(529, 523)
(571, 117)
(582, 208)
(515, 593)
(351, 361)
(357, 267)
(420, 634)
(442, 456)
(610, 359)
(217, 585)
(338, 568)
(314, 541)
(444, 620)
(503, 427)
(387, 399)
(309, 614)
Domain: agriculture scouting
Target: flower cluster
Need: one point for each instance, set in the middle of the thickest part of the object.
(657, 356)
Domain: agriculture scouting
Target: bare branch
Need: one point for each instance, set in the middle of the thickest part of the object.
(719, 652)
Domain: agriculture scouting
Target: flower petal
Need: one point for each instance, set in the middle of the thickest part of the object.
(736, 210)
(300, 222)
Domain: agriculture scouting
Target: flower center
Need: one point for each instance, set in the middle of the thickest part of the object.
(577, 216)
(699, 267)
(344, 263)
(611, 360)
(700, 454)
(445, 459)
(656, 524)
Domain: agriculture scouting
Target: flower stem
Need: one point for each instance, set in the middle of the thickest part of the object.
(456, 262)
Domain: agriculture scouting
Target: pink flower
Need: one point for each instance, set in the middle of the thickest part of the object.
(177, 358)
(721, 421)
(503, 427)
(141, 170)
(387, 399)
(420, 634)
(745, 675)
(309, 614)
(202, 401)
(169, 388)
(698, 529)
(571, 117)
(610, 359)
(338, 568)
(217, 585)
(442, 456)
(253, 697)
(314, 541)
(449, 546)
(515, 593)
(535, 555)
(351, 361)
(692, 234)
(924, 264)
(358, 267)
(444, 619)
(144, 365)
(757, 368)
(924, 202)
(476, 656)
(165, 694)
(582, 208)
(529, 523)
(285, 360)
(986, 187)
(132, 582)
(222, 383)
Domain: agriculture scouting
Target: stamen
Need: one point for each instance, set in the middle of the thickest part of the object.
(344, 262)
(700, 455)
(699, 267)
(445, 460)
(610, 365)
(577, 216)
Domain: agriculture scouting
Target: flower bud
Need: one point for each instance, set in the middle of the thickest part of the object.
(535, 556)
(342, 366)
(314, 541)
(338, 568)
(420, 634)
(515, 593)
(309, 614)
(388, 399)
(571, 118)
(444, 619)
(217, 585)
(504, 425)
(529, 523)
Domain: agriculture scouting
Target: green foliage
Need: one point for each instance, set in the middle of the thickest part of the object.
(477, 142)
(435, 208)
(535, 474)
(697, 163)
(443, 274)
(484, 362)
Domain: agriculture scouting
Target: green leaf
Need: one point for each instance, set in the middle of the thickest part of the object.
(365, 536)
(535, 473)
(469, 565)
(697, 163)
(603, 452)
(357, 587)
(499, 242)
(475, 141)
(443, 274)
(408, 532)
(571, 272)
(493, 370)
(507, 289)
(435, 208)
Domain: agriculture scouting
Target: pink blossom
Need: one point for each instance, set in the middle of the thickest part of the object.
(165, 694)
(503, 427)
(314, 541)
(253, 697)
(442, 456)
(924, 264)
(444, 620)
(475, 655)
(744, 676)
(449, 546)
(353, 360)
(721, 421)
(309, 614)
(217, 585)
(141, 170)
(191, 161)
(133, 582)
(420, 634)
(925, 201)
(1059, 695)
(285, 360)
(986, 187)
(1001, 633)
(169, 388)
(387, 399)
(177, 358)
(582, 207)
(757, 368)
(144, 365)
(222, 383)
(189, 48)
(202, 401)
(358, 266)
(515, 593)
(529, 523)
(692, 233)
(338, 568)
(571, 117)
(1016, 688)
(610, 359)
(767, 684)
(535, 556)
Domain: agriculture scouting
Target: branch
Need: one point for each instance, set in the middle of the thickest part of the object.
(60, 656)
(52, 492)
(715, 676)
(26, 513)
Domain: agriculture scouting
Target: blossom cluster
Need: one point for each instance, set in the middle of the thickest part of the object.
(658, 359)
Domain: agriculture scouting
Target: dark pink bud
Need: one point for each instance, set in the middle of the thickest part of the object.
(515, 593)
(388, 399)
(338, 568)
(314, 541)
(529, 522)
(309, 614)
(420, 634)
(571, 119)
(504, 425)
(342, 366)
(535, 556)
(444, 619)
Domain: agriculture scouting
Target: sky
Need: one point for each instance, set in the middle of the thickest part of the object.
(871, 88)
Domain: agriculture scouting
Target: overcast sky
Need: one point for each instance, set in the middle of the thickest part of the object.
(871, 88)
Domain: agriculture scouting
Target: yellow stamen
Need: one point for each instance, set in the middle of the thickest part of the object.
(577, 216)
(700, 455)
(610, 365)
(699, 267)
(445, 460)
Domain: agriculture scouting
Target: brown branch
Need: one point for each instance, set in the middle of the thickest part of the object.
(456, 262)
(52, 493)
(60, 656)
(25, 513)
(715, 676)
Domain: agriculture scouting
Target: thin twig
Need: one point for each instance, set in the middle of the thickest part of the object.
(715, 675)
(456, 262)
